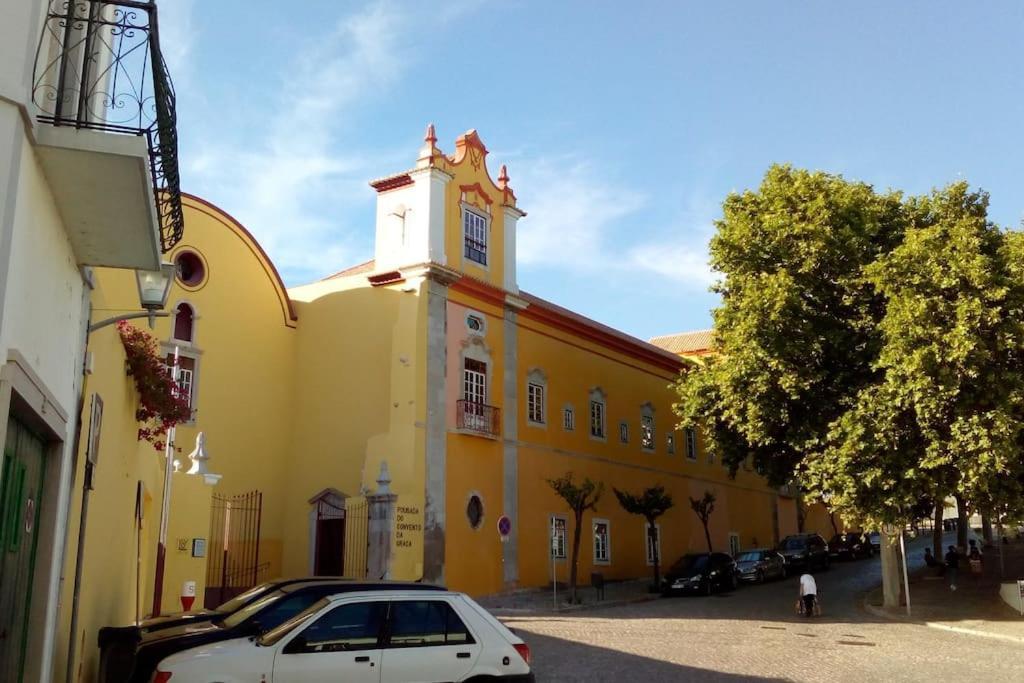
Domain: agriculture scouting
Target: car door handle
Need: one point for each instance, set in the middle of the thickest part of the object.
(462, 655)
(362, 659)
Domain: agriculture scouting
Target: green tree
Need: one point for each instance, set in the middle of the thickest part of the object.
(703, 508)
(580, 498)
(651, 504)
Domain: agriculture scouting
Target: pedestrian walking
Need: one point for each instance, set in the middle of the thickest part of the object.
(952, 566)
(808, 594)
(974, 559)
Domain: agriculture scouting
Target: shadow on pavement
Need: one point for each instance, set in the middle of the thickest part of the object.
(556, 660)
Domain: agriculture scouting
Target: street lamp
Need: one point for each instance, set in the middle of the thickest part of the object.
(154, 286)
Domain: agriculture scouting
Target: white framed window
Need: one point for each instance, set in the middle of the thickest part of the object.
(624, 432)
(670, 443)
(186, 379)
(536, 397)
(734, 544)
(652, 542)
(598, 427)
(602, 541)
(691, 443)
(476, 324)
(568, 419)
(647, 432)
(474, 227)
(558, 527)
(474, 381)
(535, 402)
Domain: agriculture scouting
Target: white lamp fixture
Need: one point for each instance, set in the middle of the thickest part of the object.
(154, 285)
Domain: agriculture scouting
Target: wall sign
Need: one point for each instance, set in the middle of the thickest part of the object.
(198, 547)
(95, 422)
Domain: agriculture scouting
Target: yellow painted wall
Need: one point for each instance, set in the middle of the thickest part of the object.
(361, 369)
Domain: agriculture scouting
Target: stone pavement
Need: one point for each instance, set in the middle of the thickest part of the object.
(974, 608)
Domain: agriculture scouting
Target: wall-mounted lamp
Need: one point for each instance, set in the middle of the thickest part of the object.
(154, 286)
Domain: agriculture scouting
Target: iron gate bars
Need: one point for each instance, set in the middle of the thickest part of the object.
(99, 67)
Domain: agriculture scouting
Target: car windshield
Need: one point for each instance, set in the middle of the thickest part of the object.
(276, 634)
(236, 603)
(754, 556)
(794, 544)
(233, 620)
(691, 563)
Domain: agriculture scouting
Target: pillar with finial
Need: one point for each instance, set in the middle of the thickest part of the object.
(429, 149)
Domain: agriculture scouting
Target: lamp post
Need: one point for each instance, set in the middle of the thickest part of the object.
(154, 286)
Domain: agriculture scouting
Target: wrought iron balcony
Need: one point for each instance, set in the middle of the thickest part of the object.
(99, 68)
(478, 417)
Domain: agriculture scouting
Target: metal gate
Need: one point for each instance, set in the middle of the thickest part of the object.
(357, 526)
(340, 537)
(233, 552)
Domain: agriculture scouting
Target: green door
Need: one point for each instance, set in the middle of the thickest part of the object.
(20, 490)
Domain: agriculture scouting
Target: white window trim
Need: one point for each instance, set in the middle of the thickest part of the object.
(537, 377)
(483, 323)
(657, 531)
(608, 540)
(195, 355)
(174, 320)
(572, 413)
(565, 541)
(739, 547)
(469, 208)
(690, 455)
(647, 411)
(597, 395)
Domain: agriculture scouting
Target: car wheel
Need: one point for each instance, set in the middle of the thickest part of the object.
(733, 582)
(708, 587)
(759, 577)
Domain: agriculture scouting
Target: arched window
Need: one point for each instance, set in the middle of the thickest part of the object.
(184, 322)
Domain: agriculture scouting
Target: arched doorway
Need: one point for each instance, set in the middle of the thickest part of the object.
(327, 531)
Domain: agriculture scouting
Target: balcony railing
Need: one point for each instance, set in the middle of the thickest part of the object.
(99, 67)
(478, 417)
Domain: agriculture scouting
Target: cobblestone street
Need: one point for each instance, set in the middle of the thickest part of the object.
(753, 634)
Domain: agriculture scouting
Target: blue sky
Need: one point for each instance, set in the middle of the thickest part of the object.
(624, 125)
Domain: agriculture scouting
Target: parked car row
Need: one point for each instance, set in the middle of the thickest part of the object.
(704, 573)
(356, 630)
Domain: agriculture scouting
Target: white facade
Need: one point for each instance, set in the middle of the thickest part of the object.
(52, 228)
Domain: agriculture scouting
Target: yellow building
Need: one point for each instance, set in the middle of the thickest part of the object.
(383, 420)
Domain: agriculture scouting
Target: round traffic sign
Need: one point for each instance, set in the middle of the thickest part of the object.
(504, 525)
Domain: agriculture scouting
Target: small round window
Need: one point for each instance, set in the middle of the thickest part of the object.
(475, 324)
(475, 511)
(190, 269)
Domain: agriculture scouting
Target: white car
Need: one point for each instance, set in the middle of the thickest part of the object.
(365, 637)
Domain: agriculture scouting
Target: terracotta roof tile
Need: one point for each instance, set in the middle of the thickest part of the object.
(698, 341)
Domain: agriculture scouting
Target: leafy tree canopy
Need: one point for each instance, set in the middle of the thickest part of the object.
(867, 343)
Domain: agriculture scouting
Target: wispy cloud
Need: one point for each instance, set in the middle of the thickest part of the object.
(298, 175)
(581, 220)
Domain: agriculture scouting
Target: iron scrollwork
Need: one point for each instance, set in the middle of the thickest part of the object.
(99, 67)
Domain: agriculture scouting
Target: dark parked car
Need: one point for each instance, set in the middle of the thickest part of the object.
(700, 573)
(849, 546)
(760, 565)
(266, 612)
(875, 539)
(118, 643)
(804, 551)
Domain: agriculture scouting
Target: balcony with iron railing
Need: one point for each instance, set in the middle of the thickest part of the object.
(478, 418)
(107, 130)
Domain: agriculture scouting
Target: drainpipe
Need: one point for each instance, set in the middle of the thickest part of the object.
(79, 559)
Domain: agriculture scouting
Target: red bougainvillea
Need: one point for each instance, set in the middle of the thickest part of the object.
(160, 406)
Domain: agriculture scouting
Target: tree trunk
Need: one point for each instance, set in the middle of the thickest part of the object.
(573, 597)
(962, 522)
(654, 550)
(801, 514)
(986, 530)
(835, 527)
(937, 532)
(707, 534)
(892, 580)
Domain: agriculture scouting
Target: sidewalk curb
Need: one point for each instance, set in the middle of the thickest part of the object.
(878, 612)
(528, 611)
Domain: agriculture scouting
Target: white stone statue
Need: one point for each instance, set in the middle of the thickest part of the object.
(198, 456)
